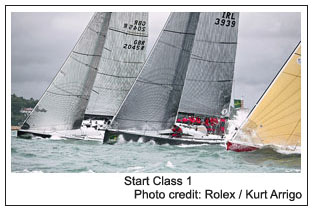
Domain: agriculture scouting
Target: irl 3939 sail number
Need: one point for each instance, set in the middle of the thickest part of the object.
(137, 45)
(227, 20)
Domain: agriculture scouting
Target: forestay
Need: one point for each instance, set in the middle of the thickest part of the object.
(209, 77)
(63, 104)
(276, 118)
(153, 101)
(122, 59)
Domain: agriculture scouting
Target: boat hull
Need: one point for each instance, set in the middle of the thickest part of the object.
(236, 147)
(29, 135)
(111, 137)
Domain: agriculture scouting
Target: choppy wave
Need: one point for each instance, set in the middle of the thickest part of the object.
(76, 156)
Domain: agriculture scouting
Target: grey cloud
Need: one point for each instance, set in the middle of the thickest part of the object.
(42, 41)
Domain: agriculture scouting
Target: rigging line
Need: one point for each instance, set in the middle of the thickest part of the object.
(297, 54)
(208, 81)
(78, 96)
(274, 121)
(132, 34)
(116, 76)
(63, 90)
(277, 126)
(299, 121)
(221, 62)
(185, 33)
(171, 45)
(97, 32)
(298, 76)
(280, 111)
(106, 88)
(86, 54)
(282, 91)
(149, 121)
(130, 62)
(159, 84)
(95, 91)
(88, 65)
(126, 62)
(271, 136)
(216, 42)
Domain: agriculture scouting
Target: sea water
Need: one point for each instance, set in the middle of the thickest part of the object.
(74, 156)
(69, 155)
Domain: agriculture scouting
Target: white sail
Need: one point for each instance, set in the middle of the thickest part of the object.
(153, 101)
(122, 59)
(63, 104)
(209, 78)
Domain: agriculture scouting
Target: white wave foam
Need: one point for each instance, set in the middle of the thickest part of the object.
(169, 164)
(236, 122)
(27, 171)
(135, 169)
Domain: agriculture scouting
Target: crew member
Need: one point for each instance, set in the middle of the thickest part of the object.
(197, 121)
(184, 120)
(176, 132)
(222, 125)
(207, 125)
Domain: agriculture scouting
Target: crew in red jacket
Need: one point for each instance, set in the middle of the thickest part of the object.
(222, 125)
(197, 121)
(192, 120)
(176, 132)
(179, 120)
(184, 120)
(207, 125)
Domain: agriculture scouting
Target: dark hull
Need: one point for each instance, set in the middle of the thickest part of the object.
(29, 135)
(111, 137)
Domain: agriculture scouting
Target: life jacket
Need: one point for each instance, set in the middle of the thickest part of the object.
(177, 132)
(222, 122)
(198, 121)
(179, 120)
(184, 120)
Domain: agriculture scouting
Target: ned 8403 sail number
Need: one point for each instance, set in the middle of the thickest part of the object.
(227, 20)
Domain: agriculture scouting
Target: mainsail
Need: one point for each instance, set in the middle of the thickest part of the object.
(209, 78)
(276, 118)
(63, 104)
(153, 101)
(122, 59)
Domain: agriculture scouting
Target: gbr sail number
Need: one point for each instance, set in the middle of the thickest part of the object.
(227, 20)
(137, 45)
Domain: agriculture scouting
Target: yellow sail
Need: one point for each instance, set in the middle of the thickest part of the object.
(276, 118)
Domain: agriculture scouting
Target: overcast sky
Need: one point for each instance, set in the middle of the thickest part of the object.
(42, 41)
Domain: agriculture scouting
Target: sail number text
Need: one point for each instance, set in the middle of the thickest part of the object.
(136, 25)
(227, 20)
(137, 45)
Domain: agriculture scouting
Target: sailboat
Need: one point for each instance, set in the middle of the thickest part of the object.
(275, 120)
(152, 104)
(112, 45)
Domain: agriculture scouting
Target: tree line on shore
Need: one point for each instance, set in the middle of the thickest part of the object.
(18, 103)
